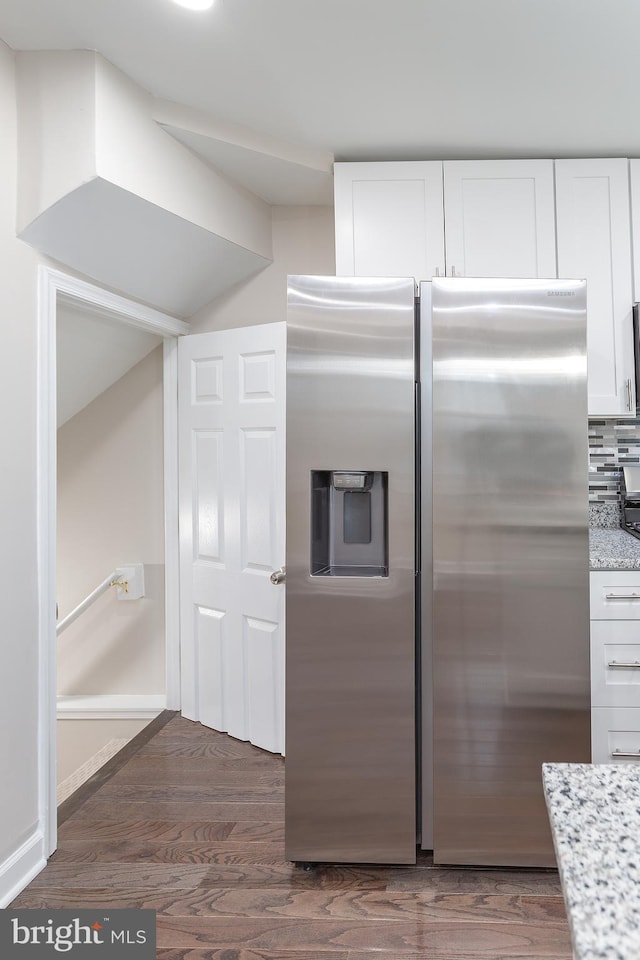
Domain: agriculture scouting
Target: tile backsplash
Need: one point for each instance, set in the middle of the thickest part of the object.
(612, 444)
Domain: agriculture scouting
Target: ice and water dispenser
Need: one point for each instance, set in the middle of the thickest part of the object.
(349, 526)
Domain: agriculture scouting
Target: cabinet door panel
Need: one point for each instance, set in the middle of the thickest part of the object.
(389, 219)
(499, 218)
(594, 242)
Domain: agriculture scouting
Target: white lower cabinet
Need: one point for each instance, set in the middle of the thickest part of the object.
(615, 734)
(615, 666)
(615, 663)
(615, 595)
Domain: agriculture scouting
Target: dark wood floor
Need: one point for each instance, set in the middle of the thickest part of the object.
(192, 826)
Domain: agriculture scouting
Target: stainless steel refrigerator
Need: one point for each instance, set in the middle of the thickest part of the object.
(437, 566)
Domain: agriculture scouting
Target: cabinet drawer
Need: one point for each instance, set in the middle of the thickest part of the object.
(615, 663)
(615, 595)
(615, 734)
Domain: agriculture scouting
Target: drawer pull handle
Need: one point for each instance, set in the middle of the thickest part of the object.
(622, 596)
(625, 664)
(624, 753)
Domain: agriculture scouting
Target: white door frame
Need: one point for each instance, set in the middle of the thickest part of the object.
(51, 284)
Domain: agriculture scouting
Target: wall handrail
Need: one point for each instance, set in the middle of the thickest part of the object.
(115, 579)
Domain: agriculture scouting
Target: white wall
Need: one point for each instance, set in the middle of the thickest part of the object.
(81, 117)
(161, 170)
(56, 130)
(110, 513)
(174, 232)
(19, 646)
(80, 740)
(303, 242)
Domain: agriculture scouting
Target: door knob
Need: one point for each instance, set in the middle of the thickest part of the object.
(278, 576)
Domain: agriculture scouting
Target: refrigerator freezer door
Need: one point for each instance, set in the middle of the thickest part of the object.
(350, 699)
(510, 561)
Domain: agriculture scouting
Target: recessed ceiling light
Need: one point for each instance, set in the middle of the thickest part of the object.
(195, 4)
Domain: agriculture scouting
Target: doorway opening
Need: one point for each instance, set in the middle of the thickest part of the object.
(86, 495)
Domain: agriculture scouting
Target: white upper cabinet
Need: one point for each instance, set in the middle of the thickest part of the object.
(503, 218)
(499, 218)
(634, 177)
(389, 219)
(594, 242)
(496, 218)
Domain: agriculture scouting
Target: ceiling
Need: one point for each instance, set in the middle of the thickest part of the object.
(365, 80)
(94, 349)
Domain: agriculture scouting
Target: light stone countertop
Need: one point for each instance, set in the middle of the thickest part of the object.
(594, 811)
(611, 548)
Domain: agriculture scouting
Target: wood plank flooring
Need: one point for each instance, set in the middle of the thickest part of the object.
(191, 825)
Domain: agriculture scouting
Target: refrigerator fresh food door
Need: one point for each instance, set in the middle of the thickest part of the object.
(510, 561)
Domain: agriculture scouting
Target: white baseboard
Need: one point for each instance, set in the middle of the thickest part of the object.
(88, 768)
(21, 867)
(111, 707)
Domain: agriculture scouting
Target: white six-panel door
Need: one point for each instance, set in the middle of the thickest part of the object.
(231, 410)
